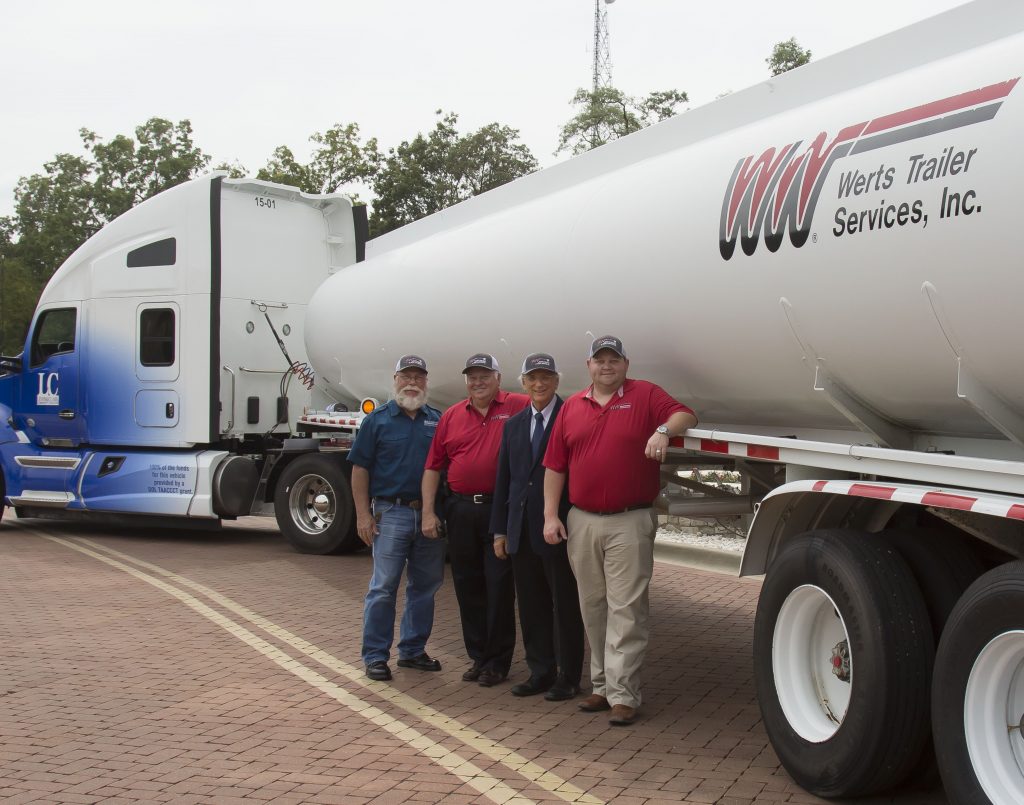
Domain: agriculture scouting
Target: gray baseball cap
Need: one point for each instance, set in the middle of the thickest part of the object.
(481, 361)
(538, 360)
(410, 362)
(607, 342)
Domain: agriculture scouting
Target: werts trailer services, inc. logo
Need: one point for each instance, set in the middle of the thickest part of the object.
(778, 191)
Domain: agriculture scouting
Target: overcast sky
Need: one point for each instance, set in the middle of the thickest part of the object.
(252, 75)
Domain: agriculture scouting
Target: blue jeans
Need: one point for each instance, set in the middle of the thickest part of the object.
(399, 546)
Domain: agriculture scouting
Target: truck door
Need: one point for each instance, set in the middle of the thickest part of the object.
(157, 365)
(50, 412)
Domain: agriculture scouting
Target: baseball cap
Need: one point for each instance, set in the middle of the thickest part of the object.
(607, 342)
(481, 361)
(410, 362)
(538, 360)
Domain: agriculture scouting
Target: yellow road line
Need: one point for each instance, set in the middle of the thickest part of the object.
(489, 786)
(477, 741)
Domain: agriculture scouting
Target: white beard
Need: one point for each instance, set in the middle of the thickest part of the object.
(410, 403)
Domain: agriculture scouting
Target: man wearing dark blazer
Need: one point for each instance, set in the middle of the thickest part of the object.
(549, 611)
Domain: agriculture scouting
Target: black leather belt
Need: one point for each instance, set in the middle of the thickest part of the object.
(412, 504)
(623, 510)
(473, 498)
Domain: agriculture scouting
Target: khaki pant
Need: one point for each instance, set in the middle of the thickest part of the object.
(612, 557)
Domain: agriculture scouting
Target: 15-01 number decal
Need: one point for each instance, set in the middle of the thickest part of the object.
(263, 201)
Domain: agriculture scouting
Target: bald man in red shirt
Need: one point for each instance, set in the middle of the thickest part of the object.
(466, 444)
(610, 439)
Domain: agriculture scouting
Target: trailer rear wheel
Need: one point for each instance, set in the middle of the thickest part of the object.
(314, 509)
(843, 655)
(978, 696)
(943, 565)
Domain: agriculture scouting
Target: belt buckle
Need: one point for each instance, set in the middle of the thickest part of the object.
(478, 498)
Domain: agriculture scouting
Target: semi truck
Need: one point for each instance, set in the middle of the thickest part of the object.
(822, 266)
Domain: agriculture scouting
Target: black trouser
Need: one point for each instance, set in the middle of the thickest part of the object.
(483, 586)
(549, 612)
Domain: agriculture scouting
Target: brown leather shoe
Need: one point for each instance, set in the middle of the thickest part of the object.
(622, 715)
(594, 703)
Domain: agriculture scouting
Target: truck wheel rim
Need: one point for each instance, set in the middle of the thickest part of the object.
(812, 663)
(312, 504)
(994, 717)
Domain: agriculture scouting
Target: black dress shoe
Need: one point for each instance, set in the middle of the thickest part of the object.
(378, 670)
(531, 687)
(562, 691)
(490, 677)
(473, 674)
(424, 662)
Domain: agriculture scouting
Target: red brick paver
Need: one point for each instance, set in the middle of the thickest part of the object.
(114, 691)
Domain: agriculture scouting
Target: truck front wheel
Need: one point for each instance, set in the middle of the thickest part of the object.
(843, 653)
(313, 506)
(978, 696)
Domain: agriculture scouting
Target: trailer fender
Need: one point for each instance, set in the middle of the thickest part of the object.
(805, 505)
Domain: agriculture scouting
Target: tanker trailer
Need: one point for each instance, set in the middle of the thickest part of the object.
(822, 267)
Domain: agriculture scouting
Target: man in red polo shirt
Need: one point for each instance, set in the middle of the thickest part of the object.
(466, 444)
(611, 439)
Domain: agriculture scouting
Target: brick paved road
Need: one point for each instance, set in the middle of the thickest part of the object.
(227, 669)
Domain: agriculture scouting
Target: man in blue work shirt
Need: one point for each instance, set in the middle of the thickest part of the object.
(387, 458)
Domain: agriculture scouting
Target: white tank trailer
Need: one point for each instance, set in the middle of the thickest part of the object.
(824, 267)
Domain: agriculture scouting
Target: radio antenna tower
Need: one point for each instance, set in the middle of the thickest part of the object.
(602, 76)
(602, 72)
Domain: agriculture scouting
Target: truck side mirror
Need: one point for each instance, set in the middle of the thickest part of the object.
(10, 365)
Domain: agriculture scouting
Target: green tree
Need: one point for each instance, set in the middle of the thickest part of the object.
(339, 159)
(432, 172)
(57, 210)
(787, 55)
(609, 113)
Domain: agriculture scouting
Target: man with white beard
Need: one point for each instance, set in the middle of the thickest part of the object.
(387, 458)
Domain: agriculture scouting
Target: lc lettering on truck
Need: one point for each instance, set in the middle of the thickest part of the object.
(777, 192)
(49, 389)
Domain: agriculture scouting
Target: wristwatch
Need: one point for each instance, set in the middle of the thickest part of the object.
(662, 429)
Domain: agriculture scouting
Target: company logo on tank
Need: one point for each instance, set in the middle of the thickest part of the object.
(777, 192)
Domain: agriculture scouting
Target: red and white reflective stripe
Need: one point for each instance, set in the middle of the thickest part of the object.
(740, 449)
(979, 502)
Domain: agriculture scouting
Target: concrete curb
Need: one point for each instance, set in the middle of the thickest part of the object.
(711, 559)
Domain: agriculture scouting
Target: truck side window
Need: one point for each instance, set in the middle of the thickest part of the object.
(156, 337)
(55, 333)
(158, 253)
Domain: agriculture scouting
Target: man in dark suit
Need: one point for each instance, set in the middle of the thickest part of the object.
(549, 610)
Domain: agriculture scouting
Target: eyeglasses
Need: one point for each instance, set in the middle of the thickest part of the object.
(415, 378)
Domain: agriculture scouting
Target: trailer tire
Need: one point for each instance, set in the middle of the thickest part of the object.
(843, 729)
(943, 565)
(977, 702)
(313, 506)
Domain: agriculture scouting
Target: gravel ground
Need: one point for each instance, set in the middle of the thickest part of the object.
(681, 535)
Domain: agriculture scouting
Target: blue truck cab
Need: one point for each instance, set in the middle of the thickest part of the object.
(165, 362)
